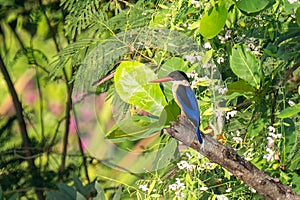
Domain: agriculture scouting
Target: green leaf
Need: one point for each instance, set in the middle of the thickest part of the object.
(240, 87)
(296, 182)
(166, 154)
(171, 64)
(133, 128)
(245, 65)
(79, 196)
(213, 21)
(15, 196)
(290, 111)
(132, 83)
(84, 190)
(298, 16)
(77, 183)
(256, 127)
(117, 195)
(100, 192)
(67, 191)
(252, 6)
(172, 111)
(1, 193)
(53, 195)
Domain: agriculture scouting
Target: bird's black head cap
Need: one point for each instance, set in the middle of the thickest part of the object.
(178, 75)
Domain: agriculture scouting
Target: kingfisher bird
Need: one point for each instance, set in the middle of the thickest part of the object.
(184, 97)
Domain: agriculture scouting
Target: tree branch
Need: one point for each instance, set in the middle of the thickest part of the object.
(26, 143)
(265, 185)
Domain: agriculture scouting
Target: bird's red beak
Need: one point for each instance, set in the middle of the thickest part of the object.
(163, 79)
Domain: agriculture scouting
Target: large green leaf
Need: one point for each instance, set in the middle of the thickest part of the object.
(298, 16)
(240, 87)
(132, 83)
(252, 6)
(290, 111)
(134, 128)
(245, 65)
(213, 21)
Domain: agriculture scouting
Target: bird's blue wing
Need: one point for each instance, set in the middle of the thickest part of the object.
(188, 103)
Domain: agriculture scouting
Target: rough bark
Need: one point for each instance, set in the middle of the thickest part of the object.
(265, 185)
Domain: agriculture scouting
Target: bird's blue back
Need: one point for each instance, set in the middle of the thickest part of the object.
(187, 101)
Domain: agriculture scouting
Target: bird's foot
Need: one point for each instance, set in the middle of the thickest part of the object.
(181, 116)
(202, 145)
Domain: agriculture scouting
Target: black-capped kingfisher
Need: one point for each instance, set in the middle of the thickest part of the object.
(184, 97)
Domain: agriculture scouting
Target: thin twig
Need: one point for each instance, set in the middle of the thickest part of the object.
(83, 159)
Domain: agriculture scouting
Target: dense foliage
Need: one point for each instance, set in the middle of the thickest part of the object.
(82, 69)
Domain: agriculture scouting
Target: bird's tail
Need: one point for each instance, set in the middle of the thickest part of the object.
(199, 135)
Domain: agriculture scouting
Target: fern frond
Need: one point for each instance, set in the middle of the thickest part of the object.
(75, 53)
(80, 15)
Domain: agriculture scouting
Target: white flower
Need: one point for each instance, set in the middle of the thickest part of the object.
(220, 60)
(192, 59)
(228, 190)
(188, 155)
(195, 3)
(252, 190)
(270, 155)
(193, 74)
(207, 45)
(222, 197)
(248, 155)
(203, 188)
(208, 165)
(179, 194)
(271, 142)
(190, 168)
(180, 185)
(272, 129)
(291, 103)
(222, 39)
(177, 185)
(208, 65)
(143, 188)
(173, 187)
(182, 164)
(231, 114)
(185, 165)
(222, 90)
(237, 139)
(228, 34)
(292, 1)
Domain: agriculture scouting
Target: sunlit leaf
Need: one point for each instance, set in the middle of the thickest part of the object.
(132, 83)
(290, 111)
(133, 128)
(245, 65)
(251, 6)
(213, 21)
